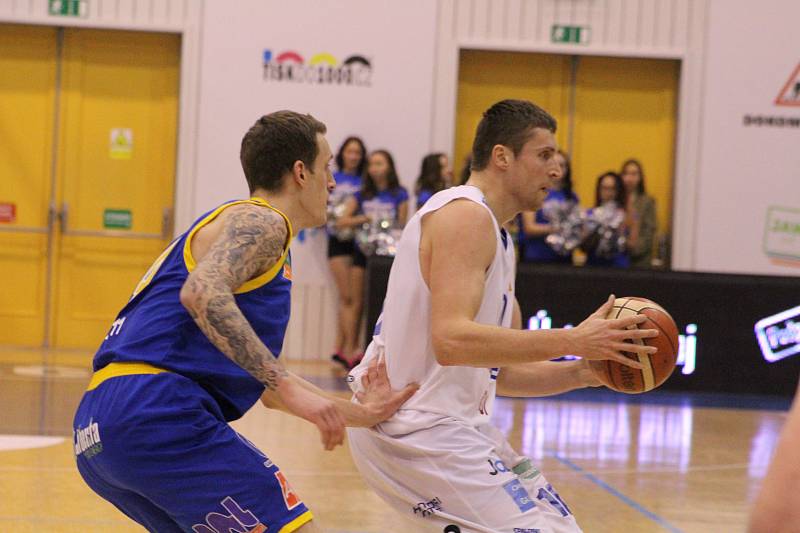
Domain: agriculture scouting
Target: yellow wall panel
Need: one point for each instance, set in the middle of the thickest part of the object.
(486, 77)
(626, 108)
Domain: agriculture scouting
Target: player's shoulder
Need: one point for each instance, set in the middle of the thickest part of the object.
(464, 213)
(253, 220)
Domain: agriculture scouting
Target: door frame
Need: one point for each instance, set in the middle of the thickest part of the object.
(460, 26)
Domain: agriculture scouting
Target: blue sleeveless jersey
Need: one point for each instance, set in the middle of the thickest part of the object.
(155, 328)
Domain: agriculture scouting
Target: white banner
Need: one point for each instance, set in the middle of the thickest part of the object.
(748, 199)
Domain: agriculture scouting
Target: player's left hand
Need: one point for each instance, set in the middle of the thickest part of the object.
(377, 395)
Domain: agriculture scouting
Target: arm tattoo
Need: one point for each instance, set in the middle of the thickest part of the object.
(251, 242)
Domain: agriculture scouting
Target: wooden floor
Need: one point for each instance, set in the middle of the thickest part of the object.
(668, 464)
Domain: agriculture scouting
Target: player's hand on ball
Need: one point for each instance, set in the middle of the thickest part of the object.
(598, 338)
(377, 395)
(318, 410)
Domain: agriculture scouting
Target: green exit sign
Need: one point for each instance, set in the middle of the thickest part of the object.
(69, 8)
(570, 34)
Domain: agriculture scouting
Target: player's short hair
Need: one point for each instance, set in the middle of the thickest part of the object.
(509, 123)
(275, 142)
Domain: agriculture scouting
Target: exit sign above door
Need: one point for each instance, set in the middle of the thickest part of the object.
(570, 34)
(69, 8)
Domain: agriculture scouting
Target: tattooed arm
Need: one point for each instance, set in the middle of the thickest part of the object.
(245, 241)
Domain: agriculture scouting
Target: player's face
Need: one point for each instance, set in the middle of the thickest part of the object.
(558, 181)
(321, 182)
(536, 168)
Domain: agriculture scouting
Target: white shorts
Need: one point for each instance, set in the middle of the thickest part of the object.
(456, 478)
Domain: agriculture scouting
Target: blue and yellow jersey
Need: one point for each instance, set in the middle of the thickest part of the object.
(155, 328)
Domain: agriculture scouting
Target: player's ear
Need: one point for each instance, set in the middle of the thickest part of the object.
(500, 156)
(299, 172)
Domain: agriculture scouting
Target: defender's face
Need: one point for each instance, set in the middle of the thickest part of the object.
(321, 181)
(536, 168)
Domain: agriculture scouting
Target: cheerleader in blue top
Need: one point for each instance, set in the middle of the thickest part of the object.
(607, 224)
(381, 198)
(435, 175)
(197, 345)
(351, 160)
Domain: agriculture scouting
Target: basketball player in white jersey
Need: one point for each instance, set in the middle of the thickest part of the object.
(446, 325)
(777, 508)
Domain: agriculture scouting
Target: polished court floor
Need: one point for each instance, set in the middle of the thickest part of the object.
(659, 462)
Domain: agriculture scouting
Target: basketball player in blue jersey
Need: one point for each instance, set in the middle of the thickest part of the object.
(197, 345)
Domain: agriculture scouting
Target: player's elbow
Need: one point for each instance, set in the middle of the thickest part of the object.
(445, 348)
(189, 298)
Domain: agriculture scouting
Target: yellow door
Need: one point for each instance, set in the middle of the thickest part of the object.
(625, 108)
(486, 77)
(27, 95)
(116, 173)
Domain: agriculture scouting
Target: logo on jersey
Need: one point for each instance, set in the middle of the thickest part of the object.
(520, 496)
(482, 405)
(290, 497)
(238, 520)
(287, 269)
(496, 466)
(526, 530)
(87, 440)
(427, 508)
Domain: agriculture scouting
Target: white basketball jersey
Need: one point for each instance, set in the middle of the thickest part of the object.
(403, 331)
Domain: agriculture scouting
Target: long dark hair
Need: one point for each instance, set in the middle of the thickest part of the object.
(362, 164)
(368, 187)
(430, 174)
(567, 179)
(620, 195)
(640, 186)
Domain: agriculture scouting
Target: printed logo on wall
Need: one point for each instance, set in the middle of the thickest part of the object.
(779, 335)
(789, 95)
(321, 69)
(782, 235)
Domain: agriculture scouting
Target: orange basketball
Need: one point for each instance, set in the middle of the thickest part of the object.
(658, 366)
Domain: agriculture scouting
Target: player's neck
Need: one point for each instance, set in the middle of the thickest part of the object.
(501, 204)
(287, 205)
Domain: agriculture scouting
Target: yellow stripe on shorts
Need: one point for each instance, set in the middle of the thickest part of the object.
(113, 370)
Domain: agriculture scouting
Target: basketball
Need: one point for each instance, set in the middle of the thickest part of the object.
(658, 366)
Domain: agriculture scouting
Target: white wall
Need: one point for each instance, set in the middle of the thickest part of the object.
(393, 112)
(744, 170)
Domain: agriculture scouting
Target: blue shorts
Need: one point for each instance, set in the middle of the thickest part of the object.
(158, 448)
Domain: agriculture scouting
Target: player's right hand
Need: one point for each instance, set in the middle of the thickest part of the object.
(601, 338)
(318, 410)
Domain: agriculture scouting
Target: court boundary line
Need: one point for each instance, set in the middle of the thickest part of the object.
(614, 492)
